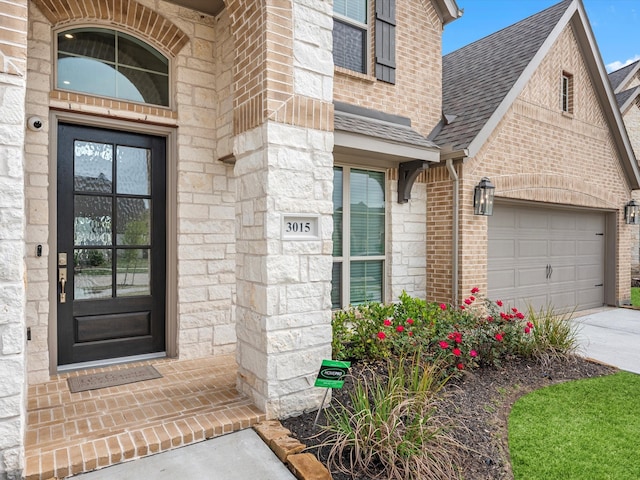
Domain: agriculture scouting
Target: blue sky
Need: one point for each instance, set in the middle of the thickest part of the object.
(615, 24)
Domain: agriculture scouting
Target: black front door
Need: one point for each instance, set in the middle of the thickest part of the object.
(111, 244)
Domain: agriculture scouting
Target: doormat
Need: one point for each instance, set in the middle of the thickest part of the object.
(112, 379)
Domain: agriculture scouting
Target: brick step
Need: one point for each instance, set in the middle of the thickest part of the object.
(71, 457)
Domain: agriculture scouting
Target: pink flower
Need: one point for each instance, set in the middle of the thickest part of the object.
(381, 335)
(498, 337)
(514, 310)
(456, 352)
(475, 290)
(460, 366)
(443, 306)
(529, 324)
(443, 344)
(499, 303)
(468, 301)
(410, 334)
(472, 298)
(473, 353)
(504, 316)
(410, 321)
(527, 329)
(520, 315)
(462, 307)
(387, 322)
(400, 328)
(489, 319)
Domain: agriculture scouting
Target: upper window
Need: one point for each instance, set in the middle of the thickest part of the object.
(567, 93)
(113, 64)
(358, 236)
(350, 32)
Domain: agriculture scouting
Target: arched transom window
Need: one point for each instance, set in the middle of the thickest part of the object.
(113, 64)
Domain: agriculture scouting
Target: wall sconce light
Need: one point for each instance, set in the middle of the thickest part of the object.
(483, 197)
(632, 213)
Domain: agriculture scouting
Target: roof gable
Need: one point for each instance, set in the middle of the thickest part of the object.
(621, 77)
(482, 80)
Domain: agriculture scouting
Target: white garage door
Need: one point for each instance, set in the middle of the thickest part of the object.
(543, 257)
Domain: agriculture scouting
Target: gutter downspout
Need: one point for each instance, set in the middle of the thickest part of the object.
(455, 229)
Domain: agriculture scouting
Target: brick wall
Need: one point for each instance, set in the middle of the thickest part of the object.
(13, 51)
(538, 154)
(417, 93)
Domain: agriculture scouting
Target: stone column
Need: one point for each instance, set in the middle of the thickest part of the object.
(284, 169)
(13, 49)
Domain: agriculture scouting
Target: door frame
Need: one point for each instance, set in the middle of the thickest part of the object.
(170, 134)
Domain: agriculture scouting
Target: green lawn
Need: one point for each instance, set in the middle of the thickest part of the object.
(587, 429)
(635, 296)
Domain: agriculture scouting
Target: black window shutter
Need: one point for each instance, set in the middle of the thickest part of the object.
(386, 40)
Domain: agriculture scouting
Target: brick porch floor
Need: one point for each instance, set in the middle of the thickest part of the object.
(70, 433)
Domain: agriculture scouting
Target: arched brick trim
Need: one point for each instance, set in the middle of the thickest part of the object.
(554, 189)
(137, 18)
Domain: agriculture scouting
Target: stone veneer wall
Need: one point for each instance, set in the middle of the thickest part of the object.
(203, 113)
(284, 166)
(13, 53)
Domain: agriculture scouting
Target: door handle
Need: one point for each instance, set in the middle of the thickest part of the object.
(550, 271)
(62, 278)
(546, 274)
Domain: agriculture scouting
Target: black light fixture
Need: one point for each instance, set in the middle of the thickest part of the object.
(483, 197)
(632, 213)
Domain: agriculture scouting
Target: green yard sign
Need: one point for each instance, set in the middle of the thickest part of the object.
(332, 373)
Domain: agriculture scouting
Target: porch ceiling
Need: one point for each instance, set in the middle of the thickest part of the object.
(210, 7)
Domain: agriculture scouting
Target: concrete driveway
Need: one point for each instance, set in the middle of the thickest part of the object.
(612, 336)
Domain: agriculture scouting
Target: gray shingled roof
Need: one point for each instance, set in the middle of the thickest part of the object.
(617, 77)
(394, 132)
(476, 78)
(622, 97)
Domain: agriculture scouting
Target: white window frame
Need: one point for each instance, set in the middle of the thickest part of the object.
(566, 93)
(367, 29)
(346, 258)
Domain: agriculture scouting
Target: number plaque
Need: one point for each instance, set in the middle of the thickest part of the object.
(300, 227)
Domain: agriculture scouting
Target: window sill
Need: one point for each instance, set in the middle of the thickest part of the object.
(345, 72)
(567, 114)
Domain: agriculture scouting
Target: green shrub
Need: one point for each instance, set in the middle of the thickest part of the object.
(553, 335)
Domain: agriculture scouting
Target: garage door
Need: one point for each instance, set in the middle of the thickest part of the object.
(546, 257)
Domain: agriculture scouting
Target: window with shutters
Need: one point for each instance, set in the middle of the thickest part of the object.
(351, 37)
(358, 236)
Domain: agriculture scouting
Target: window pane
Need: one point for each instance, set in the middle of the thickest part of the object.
(92, 222)
(92, 167)
(112, 64)
(133, 170)
(349, 46)
(88, 42)
(92, 273)
(134, 221)
(87, 75)
(353, 9)
(337, 212)
(134, 53)
(142, 86)
(336, 285)
(366, 282)
(133, 272)
(367, 213)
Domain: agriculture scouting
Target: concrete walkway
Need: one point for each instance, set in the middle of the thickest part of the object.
(240, 455)
(612, 336)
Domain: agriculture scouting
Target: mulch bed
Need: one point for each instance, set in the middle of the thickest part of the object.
(480, 401)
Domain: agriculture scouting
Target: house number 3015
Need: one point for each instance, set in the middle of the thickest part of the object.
(300, 227)
(295, 227)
